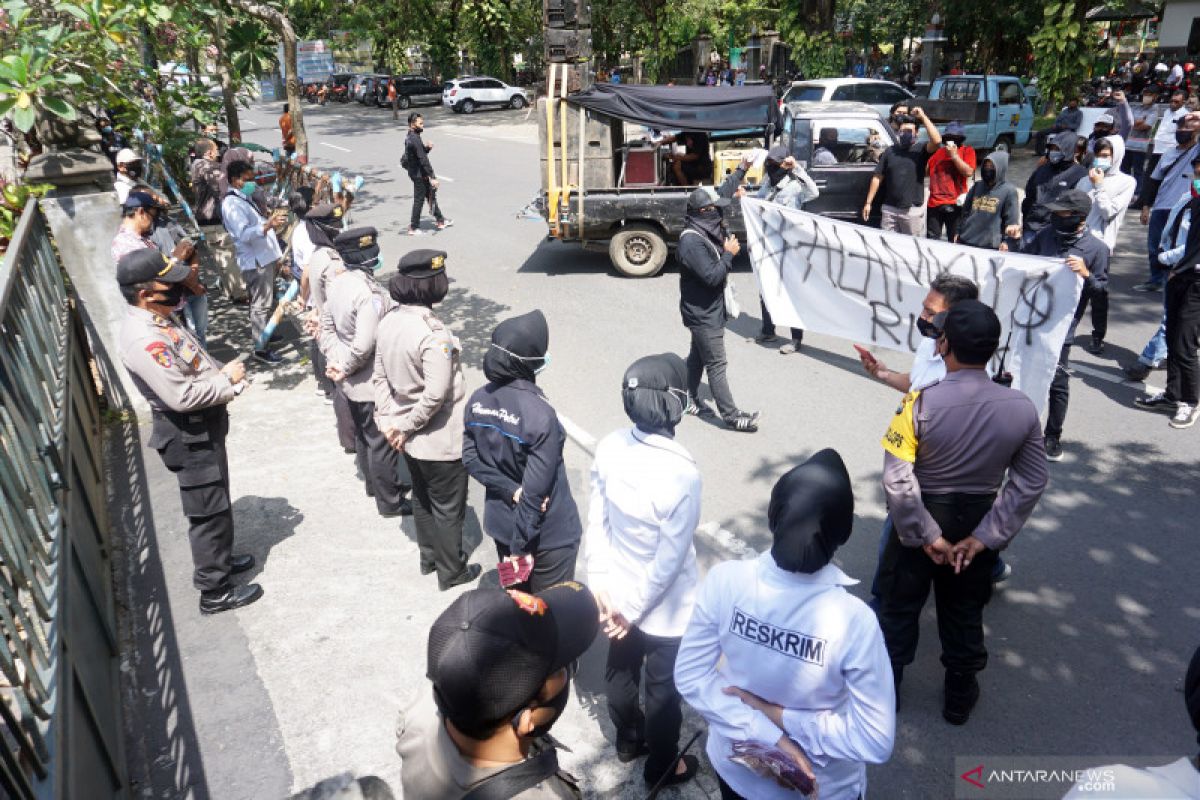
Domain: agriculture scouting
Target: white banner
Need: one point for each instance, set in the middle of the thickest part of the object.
(867, 285)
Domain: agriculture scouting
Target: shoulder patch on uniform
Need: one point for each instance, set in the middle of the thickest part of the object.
(161, 353)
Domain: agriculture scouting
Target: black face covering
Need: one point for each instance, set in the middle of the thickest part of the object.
(1066, 226)
(811, 513)
(775, 172)
(927, 329)
(558, 703)
(172, 296)
(710, 222)
(988, 174)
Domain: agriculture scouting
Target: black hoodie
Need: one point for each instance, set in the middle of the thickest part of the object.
(811, 513)
(988, 210)
(513, 440)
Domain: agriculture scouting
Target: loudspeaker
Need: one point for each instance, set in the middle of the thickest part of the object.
(564, 45)
(566, 14)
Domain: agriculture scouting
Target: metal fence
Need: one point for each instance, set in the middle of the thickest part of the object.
(60, 712)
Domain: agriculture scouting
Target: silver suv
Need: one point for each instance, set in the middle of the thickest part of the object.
(466, 94)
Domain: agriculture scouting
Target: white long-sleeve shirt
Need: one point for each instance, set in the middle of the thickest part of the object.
(302, 249)
(645, 505)
(800, 641)
(254, 248)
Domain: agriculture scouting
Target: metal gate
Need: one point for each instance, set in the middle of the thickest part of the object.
(60, 711)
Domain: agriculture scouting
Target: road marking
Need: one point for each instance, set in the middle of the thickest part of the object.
(464, 136)
(335, 147)
(710, 530)
(1105, 376)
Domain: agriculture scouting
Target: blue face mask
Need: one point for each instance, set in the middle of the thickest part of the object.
(1102, 163)
(248, 188)
(545, 363)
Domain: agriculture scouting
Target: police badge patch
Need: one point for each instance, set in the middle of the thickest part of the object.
(161, 353)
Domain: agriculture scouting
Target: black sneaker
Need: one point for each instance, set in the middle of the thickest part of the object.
(962, 693)
(1148, 286)
(1054, 451)
(1095, 346)
(268, 357)
(403, 510)
(698, 408)
(216, 601)
(1136, 372)
(743, 422)
(276, 338)
(1156, 402)
(631, 751)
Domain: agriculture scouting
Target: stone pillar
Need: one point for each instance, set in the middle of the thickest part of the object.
(83, 215)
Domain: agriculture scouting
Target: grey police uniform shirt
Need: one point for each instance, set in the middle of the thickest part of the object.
(419, 385)
(349, 324)
(964, 434)
(324, 265)
(433, 769)
(168, 365)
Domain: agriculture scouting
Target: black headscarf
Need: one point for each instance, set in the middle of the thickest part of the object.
(811, 513)
(645, 391)
(323, 223)
(526, 339)
(711, 223)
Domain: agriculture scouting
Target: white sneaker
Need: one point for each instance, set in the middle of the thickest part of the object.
(1185, 416)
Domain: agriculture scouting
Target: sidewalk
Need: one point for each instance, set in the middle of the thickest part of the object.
(307, 682)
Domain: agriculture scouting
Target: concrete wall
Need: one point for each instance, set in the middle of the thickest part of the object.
(83, 226)
(1176, 24)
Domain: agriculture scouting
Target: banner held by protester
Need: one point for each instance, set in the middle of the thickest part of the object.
(867, 285)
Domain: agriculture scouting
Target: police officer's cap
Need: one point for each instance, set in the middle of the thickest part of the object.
(358, 247)
(423, 263)
(972, 327)
(149, 264)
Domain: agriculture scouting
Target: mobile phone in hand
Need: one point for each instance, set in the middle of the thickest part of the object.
(514, 570)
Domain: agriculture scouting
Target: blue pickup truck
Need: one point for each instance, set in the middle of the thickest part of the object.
(995, 109)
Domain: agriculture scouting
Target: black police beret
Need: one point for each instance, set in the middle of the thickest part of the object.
(358, 247)
(149, 264)
(423, 263)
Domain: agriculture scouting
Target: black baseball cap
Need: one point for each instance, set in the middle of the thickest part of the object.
(705, 196)
(491, 651)
(358, 247)
(423, 263)
(973, 331)
(1072, 200)
(150, 264)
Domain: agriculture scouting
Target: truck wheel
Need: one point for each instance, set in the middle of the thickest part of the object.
(404, 101)
(638, 251)
(518, 102)
(1005, 143)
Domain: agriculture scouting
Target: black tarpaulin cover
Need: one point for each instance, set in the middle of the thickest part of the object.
(691, 108)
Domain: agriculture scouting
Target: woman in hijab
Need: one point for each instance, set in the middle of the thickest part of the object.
(513, 445)
(419, 402)
(805, 673)
(641, 565)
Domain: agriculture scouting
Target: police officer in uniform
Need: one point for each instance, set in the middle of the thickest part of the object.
(187, 390)
(948, 452)
(348, 332)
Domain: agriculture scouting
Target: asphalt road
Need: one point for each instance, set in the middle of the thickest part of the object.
(1089, 640)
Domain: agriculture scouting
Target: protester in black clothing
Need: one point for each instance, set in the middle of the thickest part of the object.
(1067, 237)
(425, 183)
(513, 445)
(705, 255)
(991, 211)
(901, 174)
(1059, 174)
